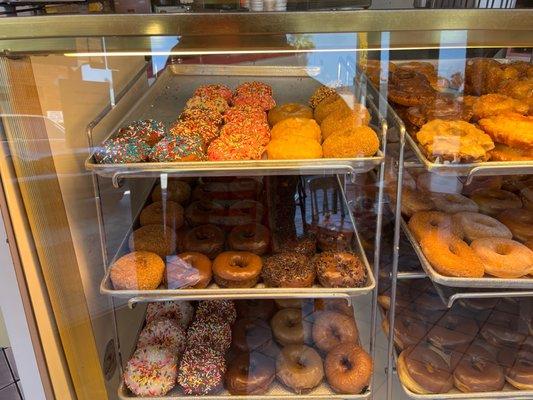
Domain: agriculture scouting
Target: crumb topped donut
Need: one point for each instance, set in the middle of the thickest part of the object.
(158, 239)
(137, 270)
(288, 270)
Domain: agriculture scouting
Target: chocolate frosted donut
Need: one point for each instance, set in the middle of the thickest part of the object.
(205, 239)
(504, 329)
(254, 238)
(478, 371)
(339, 270)
(288, 270)
(253, 308)
(203, 212)
(250, 373)
(452, 332)
(520, 375)
(408, 329)
(251, 334)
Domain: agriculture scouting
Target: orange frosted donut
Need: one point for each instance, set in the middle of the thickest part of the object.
(476, 226)
(328, 105)
(451, 256)
(140, 270)
(425, 222)
(356, 142)
(305, 127)
(494, 201)
(293, 148)
(343, 119)
(520, 222)
(289, 110)
(503, 258)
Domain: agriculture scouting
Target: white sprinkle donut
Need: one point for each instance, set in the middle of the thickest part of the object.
(438, 183)
(476, 226)
(453, 203)
(151, 371)
(181, 311)
(164, 332)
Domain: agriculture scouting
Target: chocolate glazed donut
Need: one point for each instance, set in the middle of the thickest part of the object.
(520, 375)
(250, 373)
(408, 330)
(205, 239)
(478, 371)
(452, 332)
(253, 308)
(504, 330)
(251, 334)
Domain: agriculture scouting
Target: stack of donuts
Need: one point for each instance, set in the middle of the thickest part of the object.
(481, 229)
(476, 346)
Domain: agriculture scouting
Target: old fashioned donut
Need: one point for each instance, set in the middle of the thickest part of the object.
(288, 270)
(412, 202)
(435, 222)
(158, 239)
(348, 368)
(408, 329)
(237, 269)
(138, 270)
(289, 327)
(178, 191)
(453, 332)
(189, 269)
(451, 256)
(167, 213)
(163, 332)
(453, 203)
(478, 371)
(203, 212)
(288, 110)
(254, 238)
(179, 311)
(251, 334)
(250, 374)
(216, 310)
(519, 221)
(482, 182)
(422, 370)
(493, 202)
(503, 258)
(331, 328)
(438, 183)
(299, 368)
(520, 375)
(339, 269)
(476, 226)
(254, 308)
(205, 239)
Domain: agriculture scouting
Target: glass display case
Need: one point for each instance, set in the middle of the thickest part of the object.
(243, 205)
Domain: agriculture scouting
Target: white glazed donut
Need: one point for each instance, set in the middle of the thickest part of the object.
(438, 183)
(163, 332)
(180, 311)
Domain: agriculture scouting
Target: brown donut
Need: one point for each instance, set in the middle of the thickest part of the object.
(520, 375)
(288, 270)
(299, 368)
(254, 238)
(177, 191)
(333, 233)
(169, 213)
(250, 373)
(453, 332)
(478, 371)
(305, 245)
(188, 269)
(408, 329)
(237, 269)
(289, 327)
(139, 270)
(338, 305)
(205, 239)
(494, 201)
(348, 368)
(335, 269)
(331, 328)
(519, 221)
(251, 334)
(204, 212)
(503, 329)
(158, 239)
(253, 308)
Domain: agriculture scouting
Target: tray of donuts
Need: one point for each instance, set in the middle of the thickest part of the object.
(249, 349)
(475, 235)
(217, 239)
(479, 348)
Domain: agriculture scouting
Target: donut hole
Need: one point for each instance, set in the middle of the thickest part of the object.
(453, 249)
(238, 262)
(301, 363)
(334, 331)
(346, 363)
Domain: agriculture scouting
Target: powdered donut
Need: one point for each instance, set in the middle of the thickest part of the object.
(476, 226)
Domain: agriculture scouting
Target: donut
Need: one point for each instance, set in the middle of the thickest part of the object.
(453, 332)
(256, 133)
(180, 311)
(529, 244)
(343, 119)
(189, 269)
(289, 110)
(203, 212)
(451, 256)
(254, 87)
(438, 183)
(288, 270)
(158, 239)
(253, 308)
(433, 222)
(428, 303)
(321, 94)
(201, 371)
(453, 203)
(213, 117)
(138, 270)
(412, 202)
(477, 226)
(251, 334)
(247, 211)
(504, 330)
(526, 195)
(205, 239)
(237, 269)
(290, 303)
(408, 329)
(216, 310)
(361, 141)
(478, 371)
(254, 238)
(502, 152)
(422, 370)
(213, 334)
(265, 101)
(299, 368)
(305, 245)
(331, 328)
(301, 127)
(494, 104)
(482, 182)
(520, 375)
(251, 374)
(146, 131)
(168, 213)
(214, 91)
(151, 371)
(336, 269)
(348, 368)
(289, 327)
(238, 146)
(245, 112)
(338, 305)
(519, 221)
(217, 103)
(327, 106)
(207, 130)
(179, 148)
(503, 258)
(163, 332)
(122, 151)
(478, 305)
(293, 148)
(177, 191)
(492, 201)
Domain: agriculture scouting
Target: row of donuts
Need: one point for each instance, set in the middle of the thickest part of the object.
(205, 356)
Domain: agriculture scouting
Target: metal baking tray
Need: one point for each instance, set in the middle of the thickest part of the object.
(486, 282)
(165, 99)
(259, 291)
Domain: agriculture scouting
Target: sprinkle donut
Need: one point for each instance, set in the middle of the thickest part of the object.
(207, 130)
(477, 226)
(201, 371)
(122, 151)
(213, 91)
(178, 148)
(195, 114)
(147, 131)
(208, 103)
(163, 332)
(216, 335)
(243, 113)
(180, 311)
(216, 310)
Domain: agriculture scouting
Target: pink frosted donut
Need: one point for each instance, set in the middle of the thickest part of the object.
(151, 371)
(215, 335)
(438, 184)
(476, 226)
(180, 311)
(453, 203)
(504, 258)
(163, 332)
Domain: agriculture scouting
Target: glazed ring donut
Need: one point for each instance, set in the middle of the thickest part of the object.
(476, 226)
(254, 308)
(331, 328)
(203, 212)
(493, 201)
(348, 368)
(435, 183)
(422, 370)
(451, 256)
(189, 269)
(412, 202)
(289, 110)
(251, 334)
(254, 238)
(425, 222)
(250, 374)
(520, 222)
(452, 331)
(453, 203)
(247, 211)
(300, 368)
(408, 330)
(237, 269)
(520, 375)
(289, 327)
(478, 371)
(205, 239)
(503, 258)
